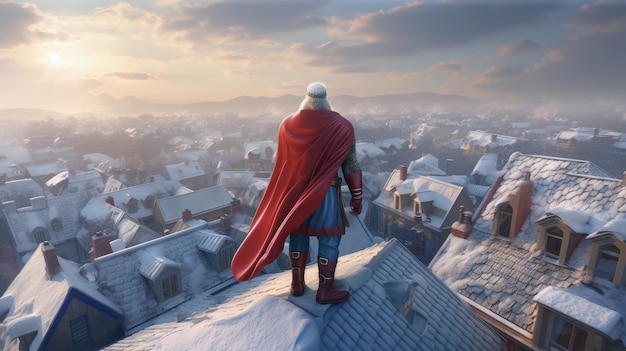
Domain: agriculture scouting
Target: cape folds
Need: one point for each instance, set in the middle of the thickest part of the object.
(312, 145)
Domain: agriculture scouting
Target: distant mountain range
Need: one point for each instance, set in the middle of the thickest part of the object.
(279, 106)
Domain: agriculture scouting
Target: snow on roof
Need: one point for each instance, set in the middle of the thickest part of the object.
(368, 150)
(487, 166)
(397, 143)
(35, 295)
(198, 202)
(24, 187)
(427, 165)
(212, 242)
(139, 192)
(615, 226)
(580, 309)
(184, 170)
(485, 139)
(16, 154)
(265, 149)
(578, 134)
(479, 266)
(45, 169)
(275, 320)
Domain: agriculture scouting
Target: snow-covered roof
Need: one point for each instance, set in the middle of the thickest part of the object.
(397, 143)
(578, 134)
(275, 320)
(368, 150)
(66, 209)
(427, 165)
(508, 272)
(20, 188)
(264, 149)
(121, 274)
(45, 169)
(484, 139)
(33, 294)
(198, 202)
(487, 166)
(76, 181)
(184, 170)
(139, 192)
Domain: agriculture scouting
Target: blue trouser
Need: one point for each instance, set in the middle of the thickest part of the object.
(328, 245)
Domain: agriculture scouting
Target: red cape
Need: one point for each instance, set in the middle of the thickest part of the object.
(312, 145)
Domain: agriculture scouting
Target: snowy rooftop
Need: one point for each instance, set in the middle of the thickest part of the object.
(198, 202)
(140, 193)
(274, 320)
(184, 170)
(504, 276)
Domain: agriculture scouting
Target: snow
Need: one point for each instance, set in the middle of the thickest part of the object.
(616, 226)
(579, 308)
(578, 221)
(291, 329)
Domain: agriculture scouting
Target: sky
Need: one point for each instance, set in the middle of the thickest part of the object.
(77, 56)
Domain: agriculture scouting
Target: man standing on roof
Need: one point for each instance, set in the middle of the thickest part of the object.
(303, 197)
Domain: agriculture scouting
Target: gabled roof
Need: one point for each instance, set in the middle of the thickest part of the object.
(139, 192)
(33, 294)
(502, 277)
(198, 202)
(71, 182)
(368, 320)
(487, 166)
(25, 188)
(427, 165)
(484, 139)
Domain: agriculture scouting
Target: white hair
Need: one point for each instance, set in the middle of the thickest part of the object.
(315, 98)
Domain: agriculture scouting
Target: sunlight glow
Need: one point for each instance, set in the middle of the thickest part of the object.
(55, 58)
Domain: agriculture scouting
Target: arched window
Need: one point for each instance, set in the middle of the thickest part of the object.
(40, 235)
(132, 205)
(148, 202)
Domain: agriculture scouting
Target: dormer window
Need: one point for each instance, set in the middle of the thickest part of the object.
(608, 257)
(556, 239)
(219, 249)
(40, 235)
(132, 205)
(163, 276)
(503, 219)
(148, 202)
(554, 242)
(606, 264)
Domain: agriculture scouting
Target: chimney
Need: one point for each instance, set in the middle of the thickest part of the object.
(463, 227)
(403, 172)
(494, 138)
(449, 166)
(50, 258)
(100, 244)
(224, 223)
(110, 200)
(235, 207)
(187, 215)
(38, 203)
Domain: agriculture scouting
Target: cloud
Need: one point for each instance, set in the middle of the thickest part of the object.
(15, 23)
(518, 47)
(131, 75)
(242, 21)
(605, 16)
(351, 69)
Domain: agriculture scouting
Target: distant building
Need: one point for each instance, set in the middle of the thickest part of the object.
(68, 182)
(188, 173)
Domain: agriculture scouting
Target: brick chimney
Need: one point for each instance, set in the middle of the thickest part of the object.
(449, 166)
(110, 200)
(187, 215)
(100, 244)
(403, 172)
(463, 227)
(494, 137)
(520, 201)
(225, 223)
(50, 258)
(235, 207)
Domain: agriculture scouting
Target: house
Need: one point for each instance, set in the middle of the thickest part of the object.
(55, 220)
(207, 204)
(246, 186)
(571, 138)
(12, 160)
(479, 142)
(50, 306)
(259, 155)
(542, 260)
(138, 201)
(396, 303)
(405, 196)
(188, 173)
(42, 172)
(68, 182)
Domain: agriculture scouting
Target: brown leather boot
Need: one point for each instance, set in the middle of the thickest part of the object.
(326, 293)
(298, 262)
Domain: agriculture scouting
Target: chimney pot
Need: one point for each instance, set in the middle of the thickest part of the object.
(100, 244)
(403, 172)
(462, 214)
(187, 215)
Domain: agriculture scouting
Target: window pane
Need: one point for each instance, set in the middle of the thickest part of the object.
(579, 340)
(79, 329)
(553, 246)
(561, 334)
(606, 266)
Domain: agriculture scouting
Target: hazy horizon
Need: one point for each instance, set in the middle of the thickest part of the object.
(77, 56)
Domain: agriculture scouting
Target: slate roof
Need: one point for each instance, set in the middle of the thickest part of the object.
(503, 276)
(366, 321)
(66, 208)
(120, 275)
(139, 192)
(20, 190)
(184, 170)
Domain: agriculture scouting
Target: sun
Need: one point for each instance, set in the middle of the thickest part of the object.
(54, 58)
